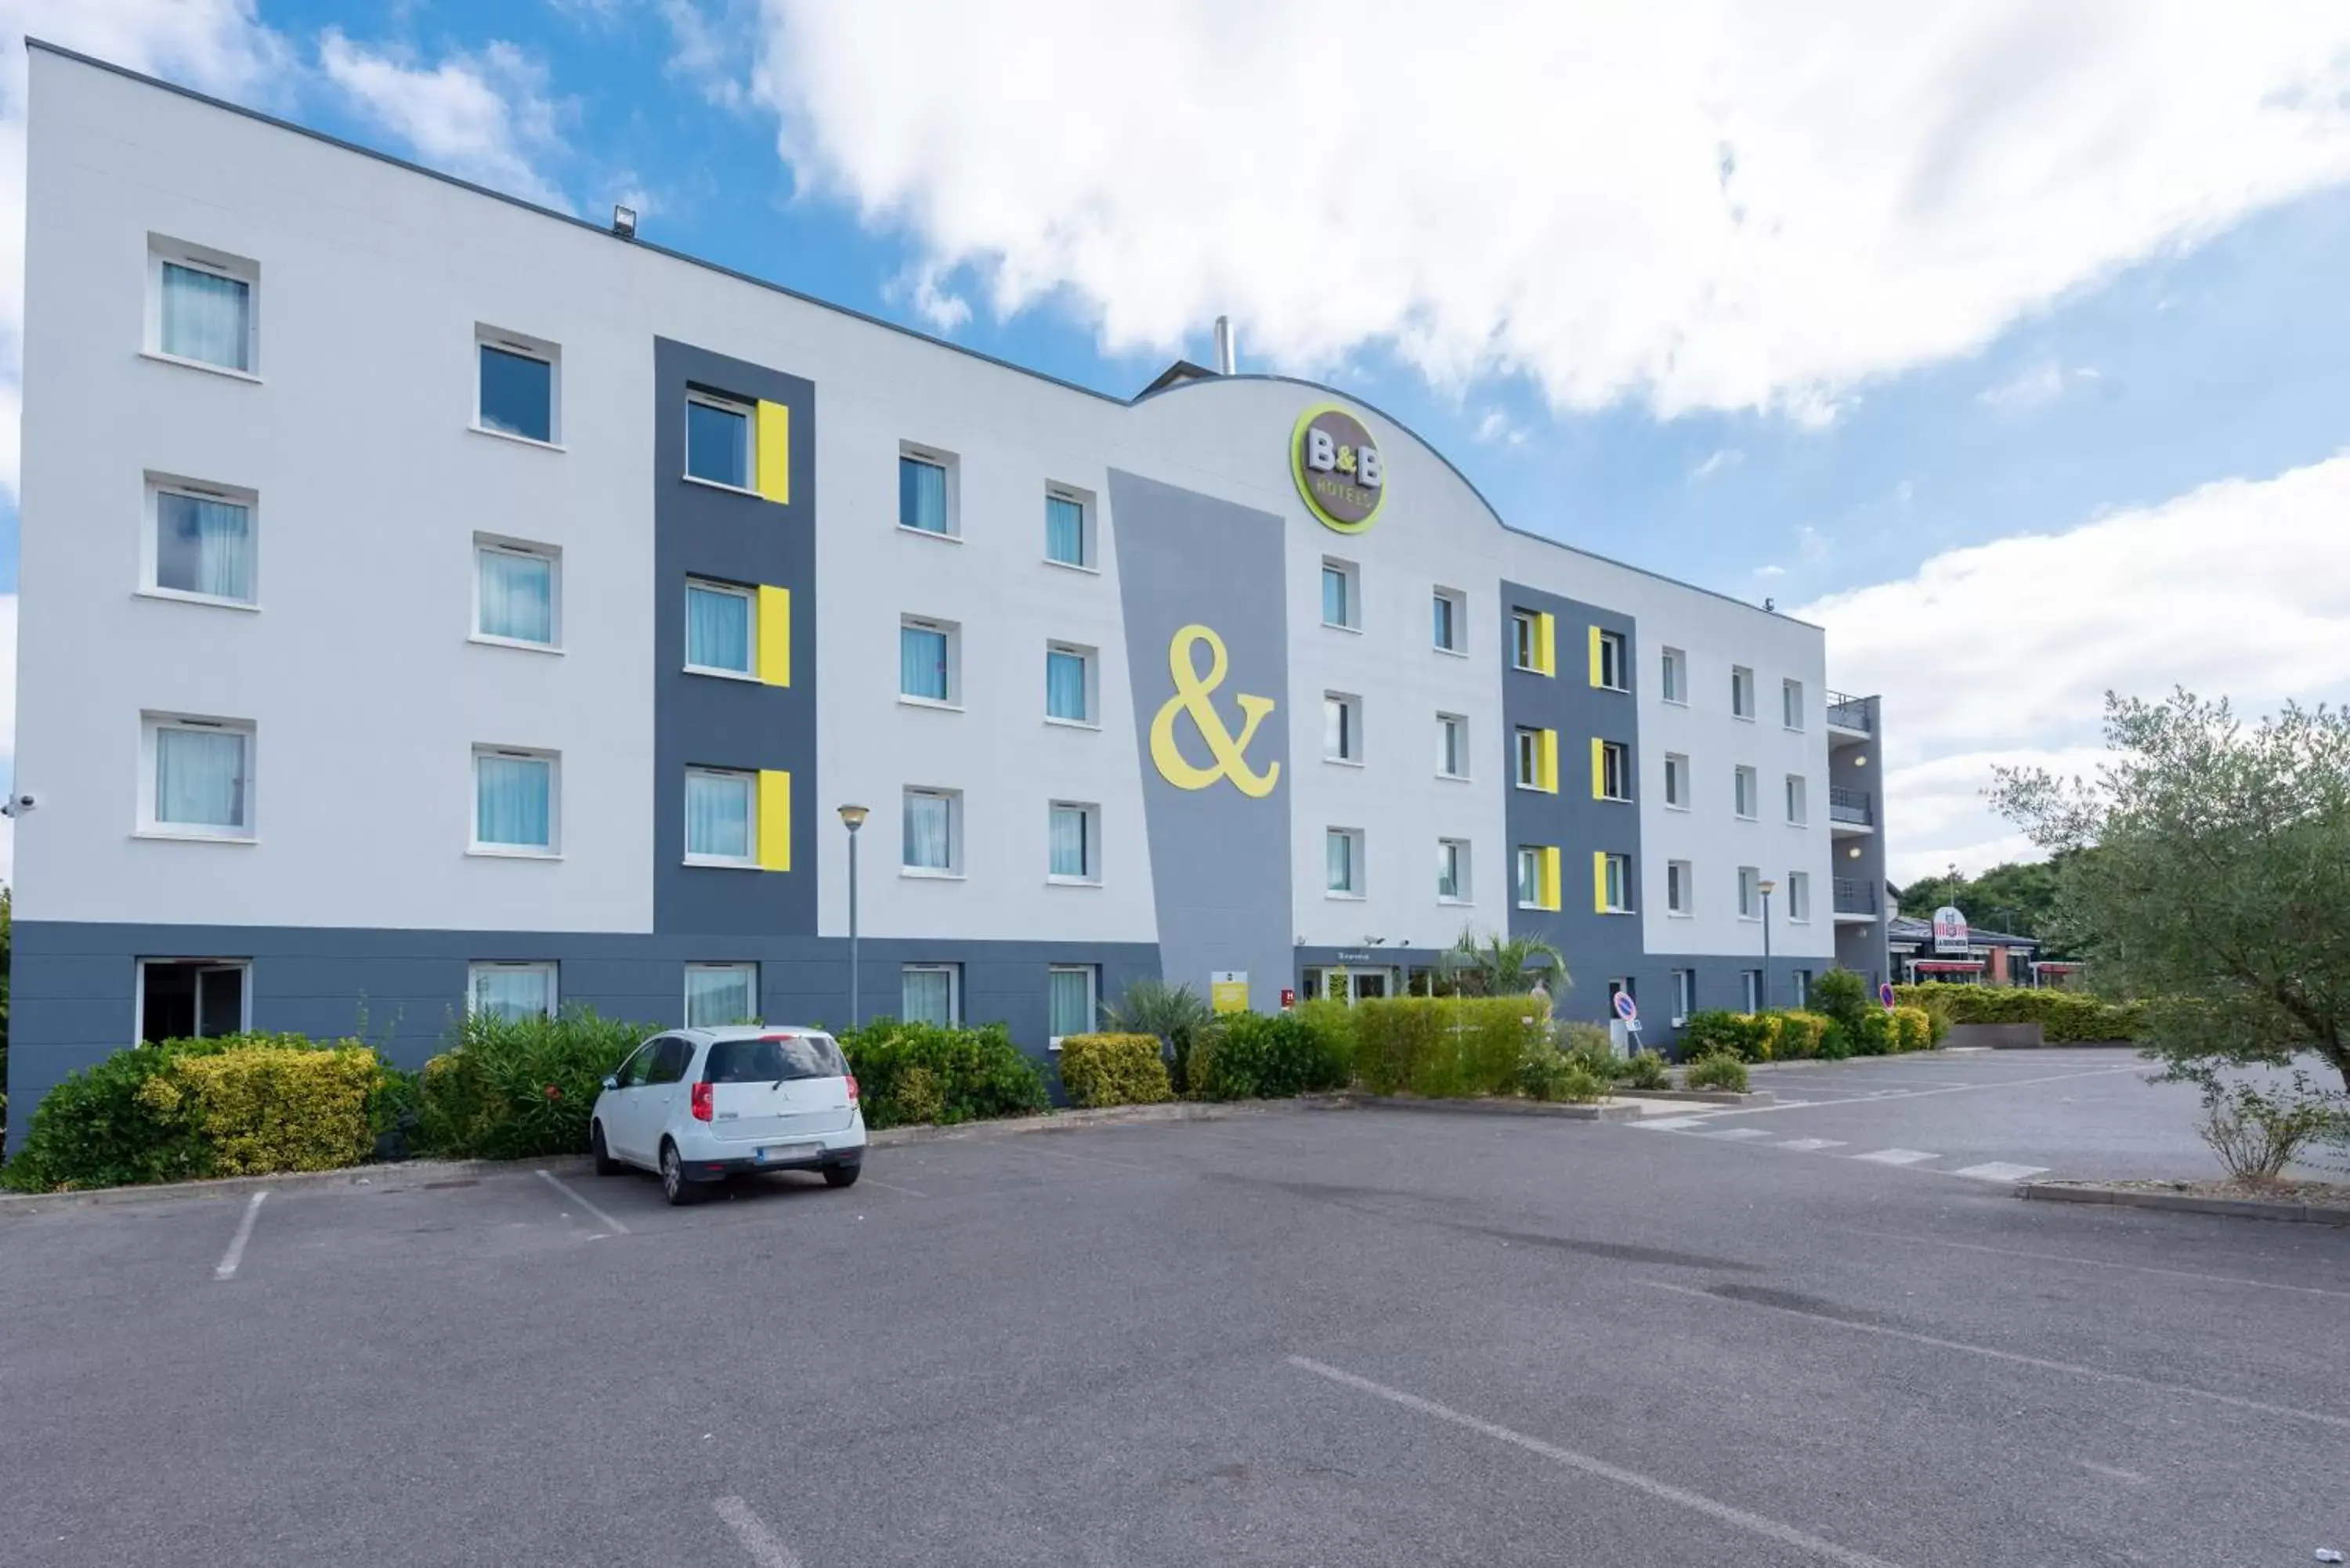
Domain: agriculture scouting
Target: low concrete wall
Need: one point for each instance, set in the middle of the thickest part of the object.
(1997, 1037)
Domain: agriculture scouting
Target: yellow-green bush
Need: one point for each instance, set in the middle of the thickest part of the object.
(1114, 1070)
(1794, 1035)
(270, 1109)
(1913, 1029)
(1445, 1047)
(2063, 1016)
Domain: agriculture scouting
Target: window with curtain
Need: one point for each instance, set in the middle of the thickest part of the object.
(201, 778)
(517, 394)
(1072, 843)
(1451, 749)
(921, 495)
(718, 816)
(1064, 531)
(718, 994)
(922, 652)
(1338, 596)
(1616, 881)
(718, 634)
(514, 990)
(515, 591)
(1342, 851)
(1530, 877)
(718, 442)
(1451, 879)
(514, 801)
(1065, 685)
(207, 318)
(204, 544)
(1447, 630)
(1341, 728)
(1069, 991)
(929, 830)
(928, 993)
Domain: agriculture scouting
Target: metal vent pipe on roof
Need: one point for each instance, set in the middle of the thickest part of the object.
(1227, 352)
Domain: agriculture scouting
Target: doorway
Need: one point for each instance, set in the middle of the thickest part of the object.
(193, 999)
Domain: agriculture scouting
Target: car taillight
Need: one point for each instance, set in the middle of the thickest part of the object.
(704, 1102)
(852, 1088)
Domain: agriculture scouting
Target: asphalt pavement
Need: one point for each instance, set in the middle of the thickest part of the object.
(1293, 1336)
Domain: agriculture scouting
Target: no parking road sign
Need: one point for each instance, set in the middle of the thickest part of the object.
(1625, 1008)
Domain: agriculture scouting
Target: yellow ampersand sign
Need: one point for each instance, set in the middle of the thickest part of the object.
(1191, 696)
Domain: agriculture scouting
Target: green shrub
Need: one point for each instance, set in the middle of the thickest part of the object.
(1913, 1029)
(1273, 1055)
(515, 1088)
(1643, 1070)
(916, 1073)
(2064, 1017)
(1443, 1047)
(1836, 1043)
(1844, 999)
(1176, 1015)
(1717, 1031)
(1718, 1070)
(1114, 1070)
(1874, 1037)
(1794, 1035)
(1546, 1073)
(273, 1107)
(140, 1115)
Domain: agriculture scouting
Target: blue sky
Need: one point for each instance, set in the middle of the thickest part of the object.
(1986, 313)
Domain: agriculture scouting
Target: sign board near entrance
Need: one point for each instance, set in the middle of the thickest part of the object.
(1228, 990)
(1950, 933)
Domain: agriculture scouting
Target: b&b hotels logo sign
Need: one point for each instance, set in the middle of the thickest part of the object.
(1338, 468)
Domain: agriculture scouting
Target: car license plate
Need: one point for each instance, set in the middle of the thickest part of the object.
(792, 1151)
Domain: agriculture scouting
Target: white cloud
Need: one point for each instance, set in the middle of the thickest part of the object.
(1497, 429)
(924, 288)
(1719, 458)
(2042, 384)
(1698, 204)
(483, 117)
(2003, 652)
(709, 54)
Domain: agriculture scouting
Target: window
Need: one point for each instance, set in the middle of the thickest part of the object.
(1526, 641)
(193, 999)
(1750, 981)
(1607, 667)
(1750, 893)
(1342, 728)
(514, 386)
(1537, 878)
(1684, 995)
(1742, 692)
(511, 990)
(1068, 529)
(1341, 582)
(514, 802)
(1672, 682)
(1797, 813)
(1802, 988)
(1452, 746)
(1343, 854)
(932, 993)
(200, 541)
(1450, 630)
(718, 994)
(202, 307)
(516, 593)
(1070, 990)
(717, 441)
(1068, 683)
(925, 495)
(722, 825)
(1791, 703)
(1677, 775)
(1744, 788)
(927, 660)
(721, 628)
(1613, 777)
(199, 778)
(1677, 899)
(1452, 871)
(931, 833)
(1075, 850)
(1799, 899)
(1537, 756)
(1614, 888)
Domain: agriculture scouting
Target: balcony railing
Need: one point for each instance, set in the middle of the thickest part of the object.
(1848, 806)
(1848, 712)
(1855, 896)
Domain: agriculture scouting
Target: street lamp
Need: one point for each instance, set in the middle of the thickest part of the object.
(1769, 888)
(852, 817)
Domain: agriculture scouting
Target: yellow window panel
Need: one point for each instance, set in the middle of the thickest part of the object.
(1546, 765)
(775, 623)
(1595, 671)
(1550, 888)
(775, 821)
(775, 470)
(1600, 880)
(1598, 769)
(1546, 643)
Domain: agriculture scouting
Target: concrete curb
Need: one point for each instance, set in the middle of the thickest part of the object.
(2184, 1203)
(1600, 1113)
(2073, 1045)
(1706, 1097)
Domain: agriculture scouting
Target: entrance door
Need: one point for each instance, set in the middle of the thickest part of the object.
(1368, 984)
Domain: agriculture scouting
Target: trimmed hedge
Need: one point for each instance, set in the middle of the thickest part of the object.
(514, 1088)
(1794, 1035)
(1443, 1047)
(1274, 1056)
(1717, 1031)
(1114, 1070)
(2063, 1016)
(1913, 1029)
(913, 1073)
(1718, 1070)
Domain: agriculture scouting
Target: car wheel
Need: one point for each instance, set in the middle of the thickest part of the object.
(842, 1175)
(605, 1164)
(674, 1186)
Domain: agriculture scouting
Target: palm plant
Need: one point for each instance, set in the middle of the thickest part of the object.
(1176, 1014)
(1496, 965)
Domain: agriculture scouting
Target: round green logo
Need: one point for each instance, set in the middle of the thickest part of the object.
(1338, 468)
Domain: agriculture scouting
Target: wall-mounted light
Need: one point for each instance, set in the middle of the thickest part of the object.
(624, 222)
(1852, 853)
(1861, 761)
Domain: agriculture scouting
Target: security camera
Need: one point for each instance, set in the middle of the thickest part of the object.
(18, 804)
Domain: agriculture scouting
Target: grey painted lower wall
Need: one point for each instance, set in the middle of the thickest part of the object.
(73, 999)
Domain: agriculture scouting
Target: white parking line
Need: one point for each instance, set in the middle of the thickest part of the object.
(1895, 1156)
(1810, 1144)
(1671, 1123)
(1664, 1491)
(226, 1269)
(2000, 1170)
(609, 1223)
(752, 1532)
(2109, 1472)
(1730, 1134)
(892, 1187)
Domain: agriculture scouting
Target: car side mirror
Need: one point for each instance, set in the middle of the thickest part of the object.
(611, 1083)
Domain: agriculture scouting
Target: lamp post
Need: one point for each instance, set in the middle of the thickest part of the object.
(1769, 888)
(852, 817)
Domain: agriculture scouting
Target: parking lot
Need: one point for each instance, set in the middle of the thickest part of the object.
(1286, 1336)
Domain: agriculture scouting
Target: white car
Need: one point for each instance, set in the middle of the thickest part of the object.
(697, 1106)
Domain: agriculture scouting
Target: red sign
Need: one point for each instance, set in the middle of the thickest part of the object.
(1288, 998)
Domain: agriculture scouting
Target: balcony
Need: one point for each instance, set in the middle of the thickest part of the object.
(1846, 712)
(1849, 807)
(1856, 895)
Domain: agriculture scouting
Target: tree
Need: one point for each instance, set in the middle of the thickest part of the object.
(2016, 897)
(2219, 895)
(1496, 965)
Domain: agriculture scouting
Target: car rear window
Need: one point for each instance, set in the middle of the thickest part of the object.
(773, 1057)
